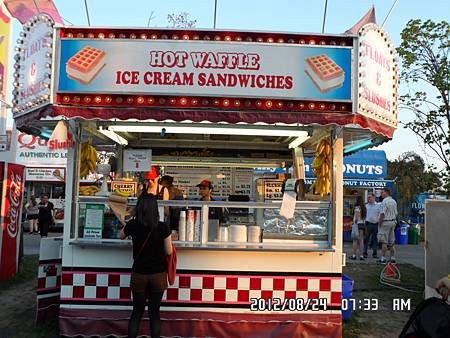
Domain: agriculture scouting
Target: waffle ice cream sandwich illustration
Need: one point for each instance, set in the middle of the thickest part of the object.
(86, 64)
(324, 72)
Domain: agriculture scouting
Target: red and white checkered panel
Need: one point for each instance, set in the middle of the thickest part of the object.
(207, 288)
(113, 286)
(49, 275)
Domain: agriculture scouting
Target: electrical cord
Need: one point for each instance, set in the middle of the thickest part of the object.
(394, 280)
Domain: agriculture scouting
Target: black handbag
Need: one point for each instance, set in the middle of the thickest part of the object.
(431, 319)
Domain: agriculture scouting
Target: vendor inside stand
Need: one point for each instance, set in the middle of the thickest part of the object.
(216, 216)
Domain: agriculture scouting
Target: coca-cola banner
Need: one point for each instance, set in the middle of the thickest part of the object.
(11, 211)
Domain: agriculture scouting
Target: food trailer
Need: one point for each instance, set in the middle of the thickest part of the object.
(209, 104)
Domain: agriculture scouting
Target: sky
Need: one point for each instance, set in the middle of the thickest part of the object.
(280, 15)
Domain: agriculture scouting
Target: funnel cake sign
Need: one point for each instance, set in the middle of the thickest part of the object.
(378, 78)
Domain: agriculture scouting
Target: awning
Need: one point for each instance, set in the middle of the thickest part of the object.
(214, 116)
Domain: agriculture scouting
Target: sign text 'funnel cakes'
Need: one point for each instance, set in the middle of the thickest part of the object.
(324, 72)
(86, 64)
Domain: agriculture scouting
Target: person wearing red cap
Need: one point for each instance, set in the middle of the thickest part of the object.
(205, 189)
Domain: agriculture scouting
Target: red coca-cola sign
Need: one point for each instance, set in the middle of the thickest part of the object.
(15, 199)
(12, 208)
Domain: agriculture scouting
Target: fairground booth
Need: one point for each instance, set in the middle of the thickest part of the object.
(136, 103)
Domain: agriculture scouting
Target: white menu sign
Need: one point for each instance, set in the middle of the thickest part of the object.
(45, 174)
(137, 160)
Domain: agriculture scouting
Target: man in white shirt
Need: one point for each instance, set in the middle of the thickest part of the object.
(386, 225)
(372, 218)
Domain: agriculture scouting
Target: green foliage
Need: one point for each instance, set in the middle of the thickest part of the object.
(411, 178)
(425, 59)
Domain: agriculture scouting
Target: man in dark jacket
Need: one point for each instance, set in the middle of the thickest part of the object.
(45, 216)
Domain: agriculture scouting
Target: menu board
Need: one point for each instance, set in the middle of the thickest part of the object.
(187, 178)
(272, 190)
(243, 182)
(226, 181)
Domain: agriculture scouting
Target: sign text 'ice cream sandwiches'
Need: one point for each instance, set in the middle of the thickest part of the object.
(86, 64)
(324, 72)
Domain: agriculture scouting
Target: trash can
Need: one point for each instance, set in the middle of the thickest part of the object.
(347, 290)
(401, 234)
(413, 234)
(347, 236)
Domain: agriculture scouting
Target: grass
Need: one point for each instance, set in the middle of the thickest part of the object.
(27, 271)
(353, 328)
(386, 319)
(24, 326)
(42, 330)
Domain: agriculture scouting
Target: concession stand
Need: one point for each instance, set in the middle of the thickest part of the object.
(209, 104)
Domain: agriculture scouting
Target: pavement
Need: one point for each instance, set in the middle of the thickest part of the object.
(32, 242)
(411, 254)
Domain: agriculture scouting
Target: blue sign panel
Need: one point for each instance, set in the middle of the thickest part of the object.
(361, 183)
(369, 164)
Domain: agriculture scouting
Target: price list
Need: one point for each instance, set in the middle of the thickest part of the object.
(226, 181)
(187, 178)
(272, 190)
(243, 182)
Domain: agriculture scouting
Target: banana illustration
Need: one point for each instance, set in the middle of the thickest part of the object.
(123, 193)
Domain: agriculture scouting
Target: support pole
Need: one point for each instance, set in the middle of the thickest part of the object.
(215, 13)
(324, 16)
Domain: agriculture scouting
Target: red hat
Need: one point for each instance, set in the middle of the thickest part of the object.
(205, 183)
(151, 175)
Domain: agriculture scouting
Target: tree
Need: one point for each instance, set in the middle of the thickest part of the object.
(411, 178)
(180, 20)
(425, 60)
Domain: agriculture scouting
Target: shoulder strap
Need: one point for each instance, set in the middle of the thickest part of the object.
(141, 249)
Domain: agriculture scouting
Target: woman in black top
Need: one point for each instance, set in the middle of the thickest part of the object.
(151, 243)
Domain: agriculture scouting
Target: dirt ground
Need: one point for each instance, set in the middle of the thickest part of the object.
(18, 303)
(385, 322)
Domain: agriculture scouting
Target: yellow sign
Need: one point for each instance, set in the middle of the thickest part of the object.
(5, 39)
(125, 188)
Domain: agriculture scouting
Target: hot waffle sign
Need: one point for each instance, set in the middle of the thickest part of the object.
(202, 68)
